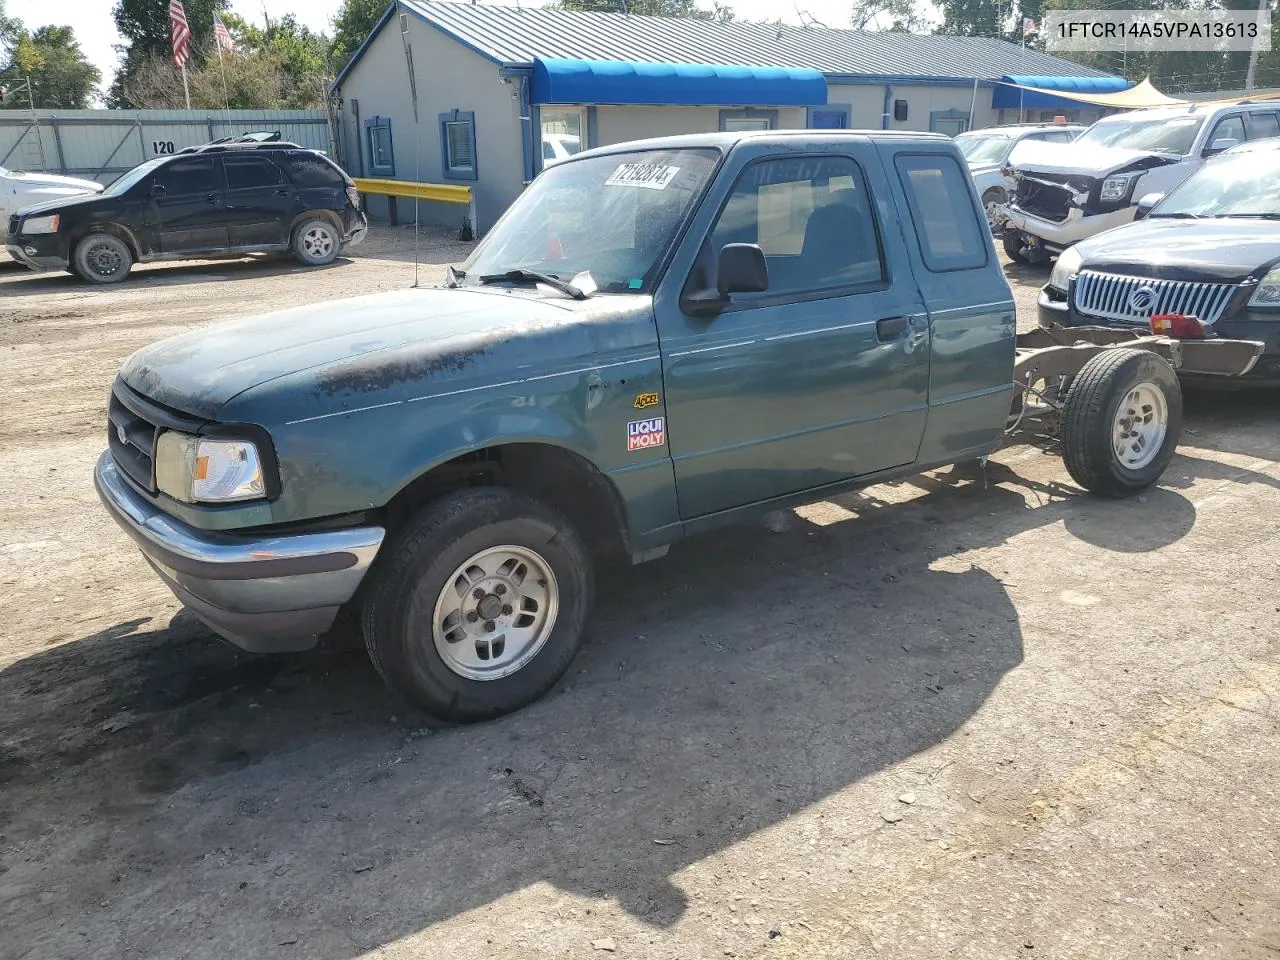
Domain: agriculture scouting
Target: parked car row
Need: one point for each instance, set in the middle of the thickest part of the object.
(223, 199)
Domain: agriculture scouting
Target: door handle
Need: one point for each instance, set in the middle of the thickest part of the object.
(282, 192)
(212, 200)
(890, 328)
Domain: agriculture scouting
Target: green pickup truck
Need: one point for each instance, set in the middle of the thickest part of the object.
(657, 338)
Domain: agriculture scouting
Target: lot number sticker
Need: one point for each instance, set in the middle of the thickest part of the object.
(652, 176)
(642, 434)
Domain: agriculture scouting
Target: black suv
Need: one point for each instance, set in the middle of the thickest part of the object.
(220, 199)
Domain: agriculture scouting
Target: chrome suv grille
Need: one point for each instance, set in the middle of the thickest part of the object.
(132, 440)
(1135, 299)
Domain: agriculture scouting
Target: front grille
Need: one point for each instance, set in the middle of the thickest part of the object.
(132, 441)
(1048, 196)
(1135, 299)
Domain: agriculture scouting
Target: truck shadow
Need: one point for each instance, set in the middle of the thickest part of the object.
(748, 676)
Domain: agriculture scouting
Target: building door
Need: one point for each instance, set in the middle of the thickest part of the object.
(824, 375)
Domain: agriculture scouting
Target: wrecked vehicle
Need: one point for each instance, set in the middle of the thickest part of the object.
(1066, 193)
(1204, 258)
(988, 153)
(656, 338)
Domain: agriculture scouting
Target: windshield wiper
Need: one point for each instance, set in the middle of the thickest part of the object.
(1250, 216)
(1178, 216)
(453, 277)
(532, 276)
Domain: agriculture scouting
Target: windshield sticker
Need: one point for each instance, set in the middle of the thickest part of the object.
(646, 433)
(652, 176)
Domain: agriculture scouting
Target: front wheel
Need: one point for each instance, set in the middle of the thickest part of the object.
(1012, 240)
(991, 202)
(316, 242)
(1121, 422)
(102, 258)
(479, 605)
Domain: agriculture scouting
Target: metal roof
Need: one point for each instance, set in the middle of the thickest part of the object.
(515, 35)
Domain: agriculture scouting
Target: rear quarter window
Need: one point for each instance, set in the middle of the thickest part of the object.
(942, 212)
(313, 170)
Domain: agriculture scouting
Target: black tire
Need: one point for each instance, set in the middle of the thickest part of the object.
(1089, 421)
(1012, 240)
(102, 258)
(413, 570)
(316, 241)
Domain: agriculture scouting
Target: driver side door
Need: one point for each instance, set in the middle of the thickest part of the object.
(822, 377)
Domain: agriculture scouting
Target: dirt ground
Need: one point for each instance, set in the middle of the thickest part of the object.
(968, 715)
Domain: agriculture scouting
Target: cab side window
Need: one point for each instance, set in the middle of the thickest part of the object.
(188, 177)
(1263, 125)
(1228, 128)
(942, 212)
(812, 217)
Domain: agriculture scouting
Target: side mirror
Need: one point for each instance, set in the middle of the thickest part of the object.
(157, 190)
(1223, 143)
(741, 269)
(1145, 203)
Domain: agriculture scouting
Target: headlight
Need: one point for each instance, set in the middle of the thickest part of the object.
(1068, 266)
(205, 470)
(47, 224)
(1268, 292)
(1116, 188)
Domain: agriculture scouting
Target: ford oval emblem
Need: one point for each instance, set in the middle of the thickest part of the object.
(1142, 299)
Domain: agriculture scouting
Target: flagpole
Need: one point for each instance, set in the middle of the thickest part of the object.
(185, 90)
(226, 97)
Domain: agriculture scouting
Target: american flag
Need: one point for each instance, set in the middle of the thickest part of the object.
(180, 32)
(222, 36)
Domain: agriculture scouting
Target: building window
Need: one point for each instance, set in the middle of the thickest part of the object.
(950, 122)
(564, 133)
(382, 161)
(458, 145)
(740, 120)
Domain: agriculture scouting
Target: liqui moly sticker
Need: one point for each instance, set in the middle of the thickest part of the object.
(642, 434)
(652, 176)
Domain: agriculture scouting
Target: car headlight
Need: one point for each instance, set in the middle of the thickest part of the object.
(1117, 188)
(1268, 292)
(1068, 266)
(208, 470)
(47, 224)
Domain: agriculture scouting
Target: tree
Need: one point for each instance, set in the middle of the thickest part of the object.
(354, 22)
(973, 18)
(687, 9)
(900, 16)
(301, 56)
(61, 77)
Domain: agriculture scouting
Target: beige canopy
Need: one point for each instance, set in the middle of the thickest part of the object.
(1138, 97)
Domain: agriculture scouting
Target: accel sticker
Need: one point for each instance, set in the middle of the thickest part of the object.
(644, 400)
(642, 434)
(652, 176)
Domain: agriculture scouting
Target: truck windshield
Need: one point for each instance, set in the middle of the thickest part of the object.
(1167, 135)
(978, 149)
(612, 216)
(1234, 185)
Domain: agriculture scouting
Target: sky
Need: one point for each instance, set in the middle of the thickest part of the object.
(96, 31)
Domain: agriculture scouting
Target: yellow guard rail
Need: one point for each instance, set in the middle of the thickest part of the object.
(435, 192)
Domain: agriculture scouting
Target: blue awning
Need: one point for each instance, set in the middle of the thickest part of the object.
(1008, 97)
(624, 81)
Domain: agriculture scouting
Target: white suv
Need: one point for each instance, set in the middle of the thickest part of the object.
(988, 151)
(1067, 192)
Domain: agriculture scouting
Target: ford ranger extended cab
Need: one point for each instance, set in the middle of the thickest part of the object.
(1066, 193)
(656, 338)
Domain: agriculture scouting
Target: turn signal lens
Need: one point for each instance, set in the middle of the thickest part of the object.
(1179, 326)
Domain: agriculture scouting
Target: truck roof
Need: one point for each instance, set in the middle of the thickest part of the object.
(726, 140)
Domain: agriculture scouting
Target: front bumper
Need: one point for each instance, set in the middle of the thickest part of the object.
(35, 259)
(271, 593)
(1053, 313)
(358, 230)
(1057, 236)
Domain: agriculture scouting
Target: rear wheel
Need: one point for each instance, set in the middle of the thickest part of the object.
(991, 201)
(1012, 240)
(102, 258)
(1121, 422)
(316, 242)
(479, 605)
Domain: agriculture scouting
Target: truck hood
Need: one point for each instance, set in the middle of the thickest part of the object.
(350, 348)
(1219, 251)
(44, 180)
(1083, 159)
